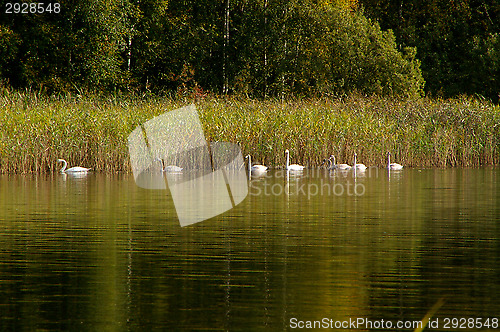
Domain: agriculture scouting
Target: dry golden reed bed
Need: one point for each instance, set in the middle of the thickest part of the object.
(92, 131)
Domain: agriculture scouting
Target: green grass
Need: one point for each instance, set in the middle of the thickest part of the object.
(92, 131)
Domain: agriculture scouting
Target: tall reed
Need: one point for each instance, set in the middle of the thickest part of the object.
(92, 131)
(424, 132)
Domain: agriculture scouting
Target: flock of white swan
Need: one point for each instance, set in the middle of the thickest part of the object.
(361, 167)
(332, 165)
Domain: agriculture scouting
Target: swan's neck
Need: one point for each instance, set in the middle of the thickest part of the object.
(354, 160)
(287, 160)
(334, 161)
(249, 162)
(65, 164)
(388, 160)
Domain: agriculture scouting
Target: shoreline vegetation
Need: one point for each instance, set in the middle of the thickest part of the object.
(92, 131)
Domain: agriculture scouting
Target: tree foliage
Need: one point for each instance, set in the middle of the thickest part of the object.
(457, 41)
(258, 47)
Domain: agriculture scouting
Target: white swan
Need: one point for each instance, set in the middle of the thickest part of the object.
(393, 166)
(255, 168)
(342, 167)
(358, 167)
(76, 169)
(170, 168)
(292, 167)
(330, 166)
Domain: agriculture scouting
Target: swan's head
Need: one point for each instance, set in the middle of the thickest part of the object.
(332, 156)
(247, 156)
(286, 151)
(60, 160)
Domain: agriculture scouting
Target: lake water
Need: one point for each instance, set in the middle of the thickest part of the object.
(99, 253)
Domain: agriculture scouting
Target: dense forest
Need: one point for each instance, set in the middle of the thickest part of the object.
(259, 48)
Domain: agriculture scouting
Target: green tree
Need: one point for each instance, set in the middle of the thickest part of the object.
(456, 41)
(9, 44)
(179, 43)
(104, 40)
(80, 45)
(257, 47)
(323, 48)
(36, 42)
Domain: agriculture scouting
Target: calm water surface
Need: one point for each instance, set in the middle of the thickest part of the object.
(99, 253)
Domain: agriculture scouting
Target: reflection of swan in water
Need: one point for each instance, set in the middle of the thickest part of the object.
(76, 175)
(393, 166)
(294, 174)
(256, 175)
(292, 167)
(255, 168)
(170, 168)
(338, 173)
(358, 167)
(72, 170)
